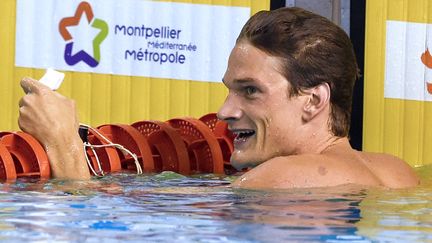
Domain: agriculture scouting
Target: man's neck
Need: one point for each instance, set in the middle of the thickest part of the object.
(319, 140)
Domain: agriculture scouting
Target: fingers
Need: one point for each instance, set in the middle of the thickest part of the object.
(26, 100)
(25, 108)
(22, 122)
(23, 117)
(30, 85)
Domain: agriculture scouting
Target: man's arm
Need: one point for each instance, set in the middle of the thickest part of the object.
(51, 118)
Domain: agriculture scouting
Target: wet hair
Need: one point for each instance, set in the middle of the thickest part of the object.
(313, 51)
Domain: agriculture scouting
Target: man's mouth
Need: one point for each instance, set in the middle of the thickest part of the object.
(242, 136)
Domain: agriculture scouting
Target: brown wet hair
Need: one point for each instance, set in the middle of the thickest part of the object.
(312, 50)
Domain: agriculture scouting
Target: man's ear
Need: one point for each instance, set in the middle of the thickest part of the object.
(318, 100)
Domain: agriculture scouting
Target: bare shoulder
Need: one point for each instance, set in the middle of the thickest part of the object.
(306, 170)
(391, 170)
(324, 170)
(279, 172)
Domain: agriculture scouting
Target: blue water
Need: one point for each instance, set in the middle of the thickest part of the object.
(169, 207)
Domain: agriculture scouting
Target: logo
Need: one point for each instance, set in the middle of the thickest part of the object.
(83, 8)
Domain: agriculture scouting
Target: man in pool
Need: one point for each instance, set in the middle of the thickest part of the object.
(290, 78)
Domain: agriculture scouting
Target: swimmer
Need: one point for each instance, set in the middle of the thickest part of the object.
(290, 78)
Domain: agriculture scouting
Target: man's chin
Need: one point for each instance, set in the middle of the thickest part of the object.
(242, 162)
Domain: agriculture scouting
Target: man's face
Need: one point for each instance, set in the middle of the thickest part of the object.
(266, 121)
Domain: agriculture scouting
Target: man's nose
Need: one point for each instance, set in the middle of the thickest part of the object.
(231, 109)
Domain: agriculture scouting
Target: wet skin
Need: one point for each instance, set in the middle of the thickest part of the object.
(287, 139)
(258, 109)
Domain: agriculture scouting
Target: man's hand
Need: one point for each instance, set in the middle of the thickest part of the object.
(46, 114)
(51, 118)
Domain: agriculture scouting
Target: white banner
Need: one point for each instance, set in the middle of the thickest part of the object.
(128, 37)
(408, 70)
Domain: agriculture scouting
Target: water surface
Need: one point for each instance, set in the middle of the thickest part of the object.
(169, 207)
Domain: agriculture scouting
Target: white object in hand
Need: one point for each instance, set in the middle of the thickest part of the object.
(52, 78)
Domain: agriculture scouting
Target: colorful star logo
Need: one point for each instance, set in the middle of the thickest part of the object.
(72, 59)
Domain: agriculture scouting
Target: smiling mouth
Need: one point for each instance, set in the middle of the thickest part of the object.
(243, 135)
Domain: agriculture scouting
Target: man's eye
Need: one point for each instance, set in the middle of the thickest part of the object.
(250, 90)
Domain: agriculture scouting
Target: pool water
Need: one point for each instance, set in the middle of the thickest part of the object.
(169, 207)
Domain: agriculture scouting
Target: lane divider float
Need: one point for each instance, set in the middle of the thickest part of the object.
(182, 145)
